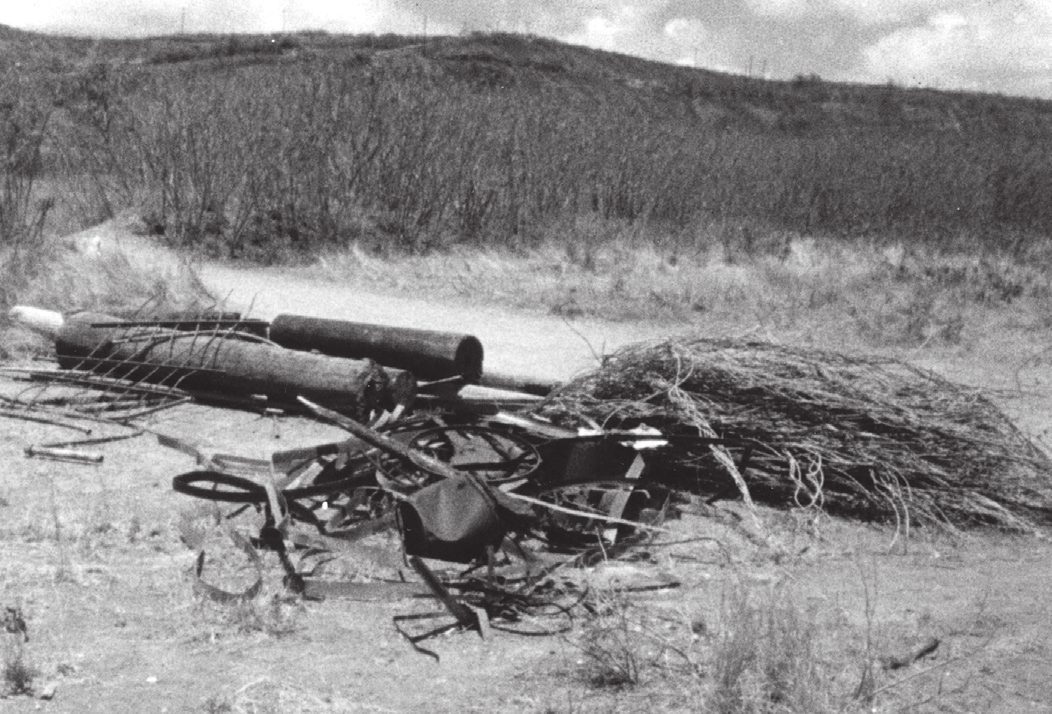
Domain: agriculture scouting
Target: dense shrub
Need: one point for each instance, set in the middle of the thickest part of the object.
(414, 151)
(24, 115)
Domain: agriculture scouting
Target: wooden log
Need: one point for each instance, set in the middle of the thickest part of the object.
(216, 364)
(428, 354)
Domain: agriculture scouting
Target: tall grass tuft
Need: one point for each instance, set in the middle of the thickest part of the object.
(765, 657)
(17, 673)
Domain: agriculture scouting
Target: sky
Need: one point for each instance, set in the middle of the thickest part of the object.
(983, 45)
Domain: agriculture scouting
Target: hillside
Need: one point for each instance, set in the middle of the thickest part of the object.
(503, 61)
(255, 146)
(724, 100)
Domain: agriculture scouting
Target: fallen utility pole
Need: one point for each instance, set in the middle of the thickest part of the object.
(428, 354)
(228, 365)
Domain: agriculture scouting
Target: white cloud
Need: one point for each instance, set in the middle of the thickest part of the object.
(691, 43)
(353, 16)
(599, 32)
(144, 17)
(686, 31)
(884, 12)
(34, 16)
(1005, 47)
(785, 9)
(609, 30)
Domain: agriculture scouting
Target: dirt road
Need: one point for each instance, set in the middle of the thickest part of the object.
(516, 342)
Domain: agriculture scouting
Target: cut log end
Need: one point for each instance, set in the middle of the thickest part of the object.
(45, 322)
(468, 359)
(401, 389)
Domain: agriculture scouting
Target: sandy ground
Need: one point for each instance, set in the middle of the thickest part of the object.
(532, 344)
(94, 558)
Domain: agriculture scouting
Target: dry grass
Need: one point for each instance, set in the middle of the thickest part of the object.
(623, 644)
(879, 295)
(264, 695)
(760, 635)
(18, 672)
(273, 616)
(866, 437)
(758, 649)
(94, 273)
(766, 657)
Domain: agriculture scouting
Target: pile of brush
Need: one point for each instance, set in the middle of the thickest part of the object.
(867, 438)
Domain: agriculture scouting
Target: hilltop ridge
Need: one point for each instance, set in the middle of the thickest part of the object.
(502, 61)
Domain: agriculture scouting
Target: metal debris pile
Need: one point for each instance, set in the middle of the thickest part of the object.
(450, 470)
(511, 498)
(509, 479)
